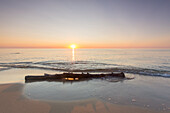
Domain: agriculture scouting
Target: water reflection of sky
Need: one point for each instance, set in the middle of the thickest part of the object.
(88, 58)
(139, 91)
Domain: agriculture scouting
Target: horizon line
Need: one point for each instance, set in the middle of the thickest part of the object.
(85, 48)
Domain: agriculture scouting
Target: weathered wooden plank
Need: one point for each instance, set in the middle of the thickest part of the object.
(71, 75)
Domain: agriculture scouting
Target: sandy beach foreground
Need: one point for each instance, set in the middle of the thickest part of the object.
(12, 100)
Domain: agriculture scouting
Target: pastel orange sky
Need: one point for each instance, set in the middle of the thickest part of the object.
(88, 24)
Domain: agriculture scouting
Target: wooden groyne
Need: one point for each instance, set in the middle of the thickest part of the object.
(71, 76)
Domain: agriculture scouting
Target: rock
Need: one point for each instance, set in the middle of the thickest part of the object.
(109, 98)
(147, 105)
(133, 100)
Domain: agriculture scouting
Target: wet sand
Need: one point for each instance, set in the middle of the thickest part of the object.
(12, 100)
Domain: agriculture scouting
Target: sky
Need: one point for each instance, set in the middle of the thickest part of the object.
(86, 23)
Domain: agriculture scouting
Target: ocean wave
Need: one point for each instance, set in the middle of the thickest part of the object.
(4, 68)
(75, 62)
(16, 53)
(86, 67)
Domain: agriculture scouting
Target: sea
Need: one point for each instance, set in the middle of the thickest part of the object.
(149, 62)
(148, 70)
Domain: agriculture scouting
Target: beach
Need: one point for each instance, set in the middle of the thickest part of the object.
(121, 97)
(12, 101)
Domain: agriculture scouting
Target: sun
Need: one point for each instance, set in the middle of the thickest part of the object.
(73, 46)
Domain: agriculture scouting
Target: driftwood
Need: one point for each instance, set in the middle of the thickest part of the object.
(71, 76)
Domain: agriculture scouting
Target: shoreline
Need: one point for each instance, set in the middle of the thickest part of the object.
(13, 100)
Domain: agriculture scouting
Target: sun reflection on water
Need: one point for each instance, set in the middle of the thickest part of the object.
(73, 58)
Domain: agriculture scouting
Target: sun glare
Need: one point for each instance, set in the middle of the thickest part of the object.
(73, 46)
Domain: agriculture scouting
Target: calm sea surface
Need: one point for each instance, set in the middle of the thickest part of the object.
(145, 91)
(151, 62)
